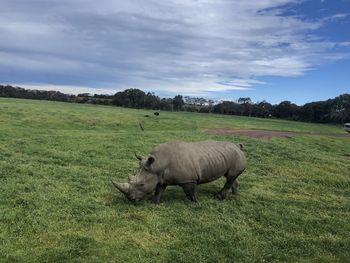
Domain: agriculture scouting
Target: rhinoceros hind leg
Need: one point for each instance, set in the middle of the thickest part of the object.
(231, 182)
(190, 191)
(235, 187)
(221, 195)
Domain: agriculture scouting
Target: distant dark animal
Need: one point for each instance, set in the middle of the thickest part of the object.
(156, 113)
(141, 126)
(147, 115)
(185, 164)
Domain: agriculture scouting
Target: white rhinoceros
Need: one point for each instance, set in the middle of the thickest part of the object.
(185, 164)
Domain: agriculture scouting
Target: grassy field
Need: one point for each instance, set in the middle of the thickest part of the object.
(57, 203)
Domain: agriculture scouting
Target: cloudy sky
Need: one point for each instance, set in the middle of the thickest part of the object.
(270, 50)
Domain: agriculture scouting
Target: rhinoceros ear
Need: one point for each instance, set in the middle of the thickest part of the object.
(149, 162)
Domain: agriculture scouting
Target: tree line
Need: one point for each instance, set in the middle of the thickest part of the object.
(336, 110)
(17, 92)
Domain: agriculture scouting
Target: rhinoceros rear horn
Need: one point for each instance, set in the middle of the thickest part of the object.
(131, 179)
(138, 156)
(122, 187)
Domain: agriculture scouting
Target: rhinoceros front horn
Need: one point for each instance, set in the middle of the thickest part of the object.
(122, 187)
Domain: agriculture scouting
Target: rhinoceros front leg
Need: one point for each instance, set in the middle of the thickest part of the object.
(159, 192)
(190, 191)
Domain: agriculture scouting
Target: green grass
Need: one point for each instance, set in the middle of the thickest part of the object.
(57, 203)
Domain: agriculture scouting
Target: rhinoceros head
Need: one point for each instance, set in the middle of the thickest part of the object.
(140, 185)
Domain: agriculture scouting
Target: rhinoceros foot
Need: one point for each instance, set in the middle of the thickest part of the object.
(220, 195)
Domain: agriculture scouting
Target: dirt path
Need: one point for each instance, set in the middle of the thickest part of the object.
(268, 134)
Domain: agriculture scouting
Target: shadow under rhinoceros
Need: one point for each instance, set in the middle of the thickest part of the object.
(173, 194)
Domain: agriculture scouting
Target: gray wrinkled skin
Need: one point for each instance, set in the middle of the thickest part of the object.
(186, 164)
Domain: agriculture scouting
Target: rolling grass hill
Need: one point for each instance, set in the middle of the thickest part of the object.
(57, 203)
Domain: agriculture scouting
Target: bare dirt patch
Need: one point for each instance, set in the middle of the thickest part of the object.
(266, 134)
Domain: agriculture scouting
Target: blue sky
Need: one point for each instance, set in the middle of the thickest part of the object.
(273, 50)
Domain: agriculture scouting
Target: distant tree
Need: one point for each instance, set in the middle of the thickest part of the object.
(152, 101)
(316, 111)
(228, 107)
(246, 100)
(342, 107)
(166, 104)
(17, 92)
(189, 100)
(136, 97)
(190, 108)
(262, 109)
(336, 110)
(132, 98)
(84, 95)
(287, 110)
(178, 102)
(121, 99)
(247, 106)
(103, 96)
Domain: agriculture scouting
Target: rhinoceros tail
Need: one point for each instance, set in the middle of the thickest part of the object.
(241, 146)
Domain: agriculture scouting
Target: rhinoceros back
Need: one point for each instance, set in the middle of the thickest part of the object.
(201, 162)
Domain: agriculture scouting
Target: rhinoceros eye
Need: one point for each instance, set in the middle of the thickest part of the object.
(142, 184)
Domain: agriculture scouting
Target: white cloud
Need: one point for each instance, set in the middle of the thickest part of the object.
(66, 88)
(335, 17)
(192, 47)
